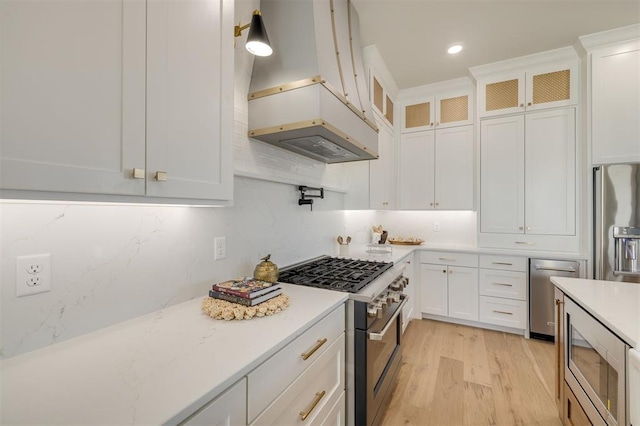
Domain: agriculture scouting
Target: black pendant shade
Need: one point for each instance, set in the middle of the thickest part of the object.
(257, 40)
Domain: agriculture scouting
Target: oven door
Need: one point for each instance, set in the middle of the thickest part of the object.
(596, 360)
(380, 363)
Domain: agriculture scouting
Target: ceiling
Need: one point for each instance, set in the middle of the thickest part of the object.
(413, 35)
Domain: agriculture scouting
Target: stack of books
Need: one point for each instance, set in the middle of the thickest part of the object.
(247, 292)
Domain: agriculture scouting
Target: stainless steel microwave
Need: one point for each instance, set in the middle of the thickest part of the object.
(595, 367)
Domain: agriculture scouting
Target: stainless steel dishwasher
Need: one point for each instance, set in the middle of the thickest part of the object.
(541, 301)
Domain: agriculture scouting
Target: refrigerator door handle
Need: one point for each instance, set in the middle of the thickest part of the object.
(544, 268)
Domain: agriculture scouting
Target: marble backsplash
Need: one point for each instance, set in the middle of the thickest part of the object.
(113, 262)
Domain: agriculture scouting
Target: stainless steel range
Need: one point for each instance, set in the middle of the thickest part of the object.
(374, 326)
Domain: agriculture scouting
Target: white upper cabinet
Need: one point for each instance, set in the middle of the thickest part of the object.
(117, 98)
(527, 174)
(550, 170)
(615, 103)
(416, 184)
(437, 169)
(72, 109)
(445, 110)
(189, 104)
(502, 175)
(381, 100)
(454, 168)
(382, 180)
(532, 89)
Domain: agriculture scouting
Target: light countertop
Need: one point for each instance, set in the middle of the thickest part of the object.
(615, 304)
(399, 252)
(154, 369)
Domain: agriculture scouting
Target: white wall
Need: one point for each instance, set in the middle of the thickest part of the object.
(456, 227)
(114, 262)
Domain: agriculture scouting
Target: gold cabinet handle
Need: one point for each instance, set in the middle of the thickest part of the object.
(528, 228)
(504, 284)
(138, 173)
(306, 355)
(503, 263)
(161, 176)
(529, 104)
(319, 396)
(520, 228)
(525, 243)
(521, 105)
(431, 124)
(503, 312)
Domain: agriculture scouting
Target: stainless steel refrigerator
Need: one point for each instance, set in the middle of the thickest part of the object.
(617, 222)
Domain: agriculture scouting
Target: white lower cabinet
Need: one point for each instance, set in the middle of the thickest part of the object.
(503, 291)
(484, 289)
(302, 383)
(506, 312)
(312, 394)
(306, 376)
(449, 284)
(228, 409)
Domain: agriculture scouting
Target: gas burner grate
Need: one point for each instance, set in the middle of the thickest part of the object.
(348, 275)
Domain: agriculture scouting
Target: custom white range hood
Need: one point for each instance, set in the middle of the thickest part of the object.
(310, 96)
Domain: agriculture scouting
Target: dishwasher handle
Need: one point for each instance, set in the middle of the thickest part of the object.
(546, 268)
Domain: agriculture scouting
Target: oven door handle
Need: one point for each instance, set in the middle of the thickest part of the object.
(380, 336)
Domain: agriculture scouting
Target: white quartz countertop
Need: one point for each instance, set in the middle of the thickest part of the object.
(615, 304)
(154, 369)
(399, 252)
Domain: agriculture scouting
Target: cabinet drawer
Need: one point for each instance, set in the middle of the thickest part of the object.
(507, 263)
(273, 376)
(449, 258)
(505, 312)
(507, 284)
(314, 392)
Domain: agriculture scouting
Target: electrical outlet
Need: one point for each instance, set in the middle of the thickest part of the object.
(436, 226)
(33, 274)
(220, 244)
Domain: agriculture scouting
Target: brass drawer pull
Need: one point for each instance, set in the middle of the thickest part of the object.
(161, 176)
(504, 284)
(503, 312)
(319, 396)
(525, 242)
(446, 259)
(138, 173)
(306, 355)
(503, 263)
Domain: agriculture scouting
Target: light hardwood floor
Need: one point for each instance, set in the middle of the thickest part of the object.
(458, 375)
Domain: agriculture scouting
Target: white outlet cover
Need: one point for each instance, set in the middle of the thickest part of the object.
(220, 247)
(31, 270)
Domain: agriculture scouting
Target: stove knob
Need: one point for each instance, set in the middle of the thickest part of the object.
(396, 297)
(380, 313)
(372, 312)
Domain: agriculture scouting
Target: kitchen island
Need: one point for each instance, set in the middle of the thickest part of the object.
(155, 369)
(615, 304)
(596, 324)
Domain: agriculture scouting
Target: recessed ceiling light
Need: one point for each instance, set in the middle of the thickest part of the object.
(456, 48)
